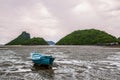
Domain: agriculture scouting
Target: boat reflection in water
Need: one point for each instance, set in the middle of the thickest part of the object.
(45, 71)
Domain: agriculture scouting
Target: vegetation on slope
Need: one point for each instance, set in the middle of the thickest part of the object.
(36, 41)
(24, 39)
(119, 40)
(87, 37)
(20, 39)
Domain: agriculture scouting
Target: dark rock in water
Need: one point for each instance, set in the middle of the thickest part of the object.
(13, 69)
(6, 63)
(51, 42)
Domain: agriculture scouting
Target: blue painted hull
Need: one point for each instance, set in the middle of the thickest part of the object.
(42, 59)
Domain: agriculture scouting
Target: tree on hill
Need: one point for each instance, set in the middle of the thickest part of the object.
(87, 37)
(36, 41)
(119, 40)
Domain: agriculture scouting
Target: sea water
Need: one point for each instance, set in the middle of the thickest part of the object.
(71, 63)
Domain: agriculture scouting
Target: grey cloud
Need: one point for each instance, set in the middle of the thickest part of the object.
(53, 19)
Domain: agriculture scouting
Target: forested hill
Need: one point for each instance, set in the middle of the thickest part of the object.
(87, 37)
(24, 39)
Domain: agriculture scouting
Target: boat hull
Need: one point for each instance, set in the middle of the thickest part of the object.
(42, 60)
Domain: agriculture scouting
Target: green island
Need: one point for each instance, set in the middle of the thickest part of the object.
(88, 37)
(24, 39)
(79, 37)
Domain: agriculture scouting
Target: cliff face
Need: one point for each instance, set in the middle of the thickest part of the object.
(87, 37)
(24, 35)
(24, 39)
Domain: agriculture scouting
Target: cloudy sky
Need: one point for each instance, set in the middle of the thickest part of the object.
(53, 19)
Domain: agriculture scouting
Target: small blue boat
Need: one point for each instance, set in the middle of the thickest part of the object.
(40, 59)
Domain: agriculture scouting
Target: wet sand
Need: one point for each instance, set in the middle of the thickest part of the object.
(71, 63)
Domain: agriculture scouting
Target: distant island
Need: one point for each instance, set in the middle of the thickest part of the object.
(51, 43)
(88, 37)
(24, 39)
(79, 37)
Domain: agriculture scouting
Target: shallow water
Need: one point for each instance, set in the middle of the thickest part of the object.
(71, 63)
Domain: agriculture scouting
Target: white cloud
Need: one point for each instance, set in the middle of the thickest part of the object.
(82, 7)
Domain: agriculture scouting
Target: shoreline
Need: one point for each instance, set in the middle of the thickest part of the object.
(10, 46)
